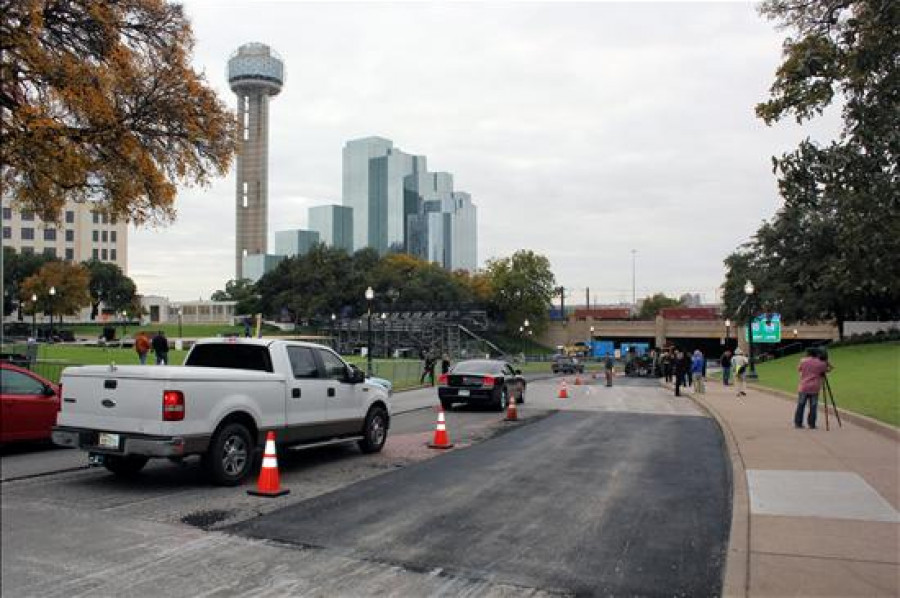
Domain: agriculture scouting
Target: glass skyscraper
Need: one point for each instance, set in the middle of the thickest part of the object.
(334, 225)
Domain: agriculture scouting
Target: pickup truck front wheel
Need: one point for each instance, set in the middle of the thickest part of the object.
(127, 465)
(229, 460)
(374, 431)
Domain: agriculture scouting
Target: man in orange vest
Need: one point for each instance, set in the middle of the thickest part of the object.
(142, 346)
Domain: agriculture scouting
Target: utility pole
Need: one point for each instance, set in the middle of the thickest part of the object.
(633, 287)
(562, 303)
(587, 297)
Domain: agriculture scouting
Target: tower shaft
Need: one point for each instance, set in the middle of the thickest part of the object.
(252, 194)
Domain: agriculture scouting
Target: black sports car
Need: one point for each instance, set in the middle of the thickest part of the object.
(481, 381)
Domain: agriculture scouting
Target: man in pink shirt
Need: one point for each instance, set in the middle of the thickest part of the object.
(812, 370)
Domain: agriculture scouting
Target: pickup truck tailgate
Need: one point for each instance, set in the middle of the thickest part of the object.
(127, 399)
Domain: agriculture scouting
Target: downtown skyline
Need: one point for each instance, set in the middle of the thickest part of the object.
(583, 131)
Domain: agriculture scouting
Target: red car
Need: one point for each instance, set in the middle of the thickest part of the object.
(29, 404)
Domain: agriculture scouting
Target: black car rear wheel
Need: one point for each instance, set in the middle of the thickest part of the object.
(503, 399)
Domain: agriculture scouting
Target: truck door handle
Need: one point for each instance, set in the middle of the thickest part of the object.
(331, 392)
(295, 393)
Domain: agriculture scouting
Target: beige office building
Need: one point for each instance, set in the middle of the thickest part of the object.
(84, 233)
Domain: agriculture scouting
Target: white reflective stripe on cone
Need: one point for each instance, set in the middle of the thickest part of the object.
(269, 462)
(270, 447)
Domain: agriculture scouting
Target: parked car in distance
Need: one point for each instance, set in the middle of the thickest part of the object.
(29, 407)
(481, 381)
(563, 364)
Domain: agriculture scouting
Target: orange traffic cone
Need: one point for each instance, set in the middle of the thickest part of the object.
(512, 412)
(441, 439)
(577, 380)
(268, 483)
(563, 390)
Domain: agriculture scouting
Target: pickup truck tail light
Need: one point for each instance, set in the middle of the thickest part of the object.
(488, 382)
(173, 405)
(442, 380)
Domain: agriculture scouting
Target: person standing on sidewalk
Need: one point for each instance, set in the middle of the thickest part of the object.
(812, 370)
(609, 365)
(739, 364)
(725, 361)
(681, 369)
(698, 369)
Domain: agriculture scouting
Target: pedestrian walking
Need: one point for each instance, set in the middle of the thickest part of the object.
(681, 367)
(667, 365)
(609, 366)
(445, 363)
(698, 369)
(688, 370)
(142, 346)
(812, 370)
(725, 362)
(428, 369)
(161, 348)
(739, 364)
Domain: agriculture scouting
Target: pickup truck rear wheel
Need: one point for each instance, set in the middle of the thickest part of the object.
(229, 460)
(374, 431)
(124, 465)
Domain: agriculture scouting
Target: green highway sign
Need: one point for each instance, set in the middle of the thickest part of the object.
(766, 328)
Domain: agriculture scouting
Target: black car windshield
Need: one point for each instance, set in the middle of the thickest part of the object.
(478, 366)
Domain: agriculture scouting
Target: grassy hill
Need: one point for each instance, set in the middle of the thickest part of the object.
(866, 378)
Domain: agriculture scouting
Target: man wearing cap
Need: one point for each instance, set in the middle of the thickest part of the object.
(812, 370)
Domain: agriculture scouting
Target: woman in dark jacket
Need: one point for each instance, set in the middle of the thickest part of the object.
(682, 367)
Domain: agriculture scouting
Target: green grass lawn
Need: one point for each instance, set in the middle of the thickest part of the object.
(866, 378)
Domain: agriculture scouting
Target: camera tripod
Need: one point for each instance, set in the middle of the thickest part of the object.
(826, 395)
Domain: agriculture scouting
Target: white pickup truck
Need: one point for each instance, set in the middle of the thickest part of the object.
(220, 405)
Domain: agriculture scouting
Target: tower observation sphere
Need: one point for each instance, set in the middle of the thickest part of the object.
(255, 73)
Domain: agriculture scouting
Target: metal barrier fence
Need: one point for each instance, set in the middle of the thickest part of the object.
(401, 373)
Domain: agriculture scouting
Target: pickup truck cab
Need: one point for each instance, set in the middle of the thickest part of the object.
(220, 405)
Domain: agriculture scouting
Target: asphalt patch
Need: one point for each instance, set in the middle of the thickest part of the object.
(583, 503)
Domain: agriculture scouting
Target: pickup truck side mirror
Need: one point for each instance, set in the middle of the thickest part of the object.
(518, 372)
(355, 375)
(48, 391)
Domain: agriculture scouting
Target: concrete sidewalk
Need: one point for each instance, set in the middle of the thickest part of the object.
(815, 512)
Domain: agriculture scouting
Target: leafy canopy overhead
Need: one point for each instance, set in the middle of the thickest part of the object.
(99, 103)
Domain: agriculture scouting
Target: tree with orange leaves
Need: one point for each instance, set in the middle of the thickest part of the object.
(70, 285)
(98, 102)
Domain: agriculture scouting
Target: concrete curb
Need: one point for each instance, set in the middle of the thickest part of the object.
(736, 580)
(863, 421)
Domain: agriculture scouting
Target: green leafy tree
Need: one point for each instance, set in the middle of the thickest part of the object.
(16, 268)
(651, 305)
(523, 286)
(109, 285)
(243, 291)
(831, 251)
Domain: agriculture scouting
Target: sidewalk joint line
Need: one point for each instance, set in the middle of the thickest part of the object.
(824, 557)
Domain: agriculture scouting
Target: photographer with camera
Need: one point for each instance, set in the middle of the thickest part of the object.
(812, 370)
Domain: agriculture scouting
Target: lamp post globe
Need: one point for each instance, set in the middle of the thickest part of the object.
(334, 344)
(370, 294)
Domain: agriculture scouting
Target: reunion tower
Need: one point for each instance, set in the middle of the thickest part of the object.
(255, 72)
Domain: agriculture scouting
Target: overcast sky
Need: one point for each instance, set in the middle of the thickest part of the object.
(582, 131)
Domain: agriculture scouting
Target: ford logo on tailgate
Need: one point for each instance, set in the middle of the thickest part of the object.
(108, 403)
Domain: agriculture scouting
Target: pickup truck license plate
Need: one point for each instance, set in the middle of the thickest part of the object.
(108, 440)
(463, 393)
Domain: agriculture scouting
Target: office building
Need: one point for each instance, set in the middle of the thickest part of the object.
(84, 233)
(290, 243)
(334, 225)
(464, 235)
(255, 265)
(255, 74)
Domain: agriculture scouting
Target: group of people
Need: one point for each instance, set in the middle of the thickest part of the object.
(159, 344)
(684, 368)
(429, 361)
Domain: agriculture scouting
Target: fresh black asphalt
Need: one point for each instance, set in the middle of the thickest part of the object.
(584, 503)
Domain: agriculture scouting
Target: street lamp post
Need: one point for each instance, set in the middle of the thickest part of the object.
(727, 332)
(749, 290)
(125, 324)
(384, 332)
(334, 344)
(590, 343)
(180, 317)
(34, 316)
(370, 294)
(52, 296)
